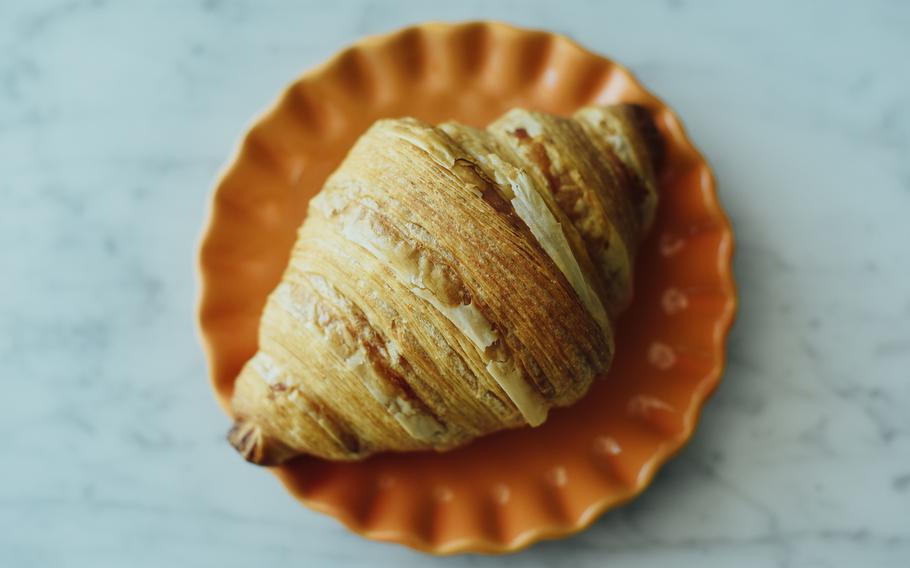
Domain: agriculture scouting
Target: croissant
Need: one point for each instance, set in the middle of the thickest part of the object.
(449, 282)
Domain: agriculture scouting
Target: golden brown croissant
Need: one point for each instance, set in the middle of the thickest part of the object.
(449, 282)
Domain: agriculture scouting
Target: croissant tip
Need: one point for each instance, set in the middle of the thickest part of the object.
(641, 118)
(250, 442)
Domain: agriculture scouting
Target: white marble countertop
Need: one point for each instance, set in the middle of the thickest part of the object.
(116, 116)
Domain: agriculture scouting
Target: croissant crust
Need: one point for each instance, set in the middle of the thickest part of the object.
(449, 282)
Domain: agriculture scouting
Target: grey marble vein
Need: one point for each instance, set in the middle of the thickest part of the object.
(115, 117)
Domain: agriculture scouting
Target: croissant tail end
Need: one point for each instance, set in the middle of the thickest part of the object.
(249, 440)
(644, 123)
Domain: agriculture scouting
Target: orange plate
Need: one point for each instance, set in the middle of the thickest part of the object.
(507, 490)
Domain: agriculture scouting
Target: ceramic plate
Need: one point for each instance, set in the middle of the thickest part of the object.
(510, 489)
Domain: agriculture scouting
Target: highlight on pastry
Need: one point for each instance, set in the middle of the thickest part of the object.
(449, 282)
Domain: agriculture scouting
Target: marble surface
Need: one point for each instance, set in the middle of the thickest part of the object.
(116, 116)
